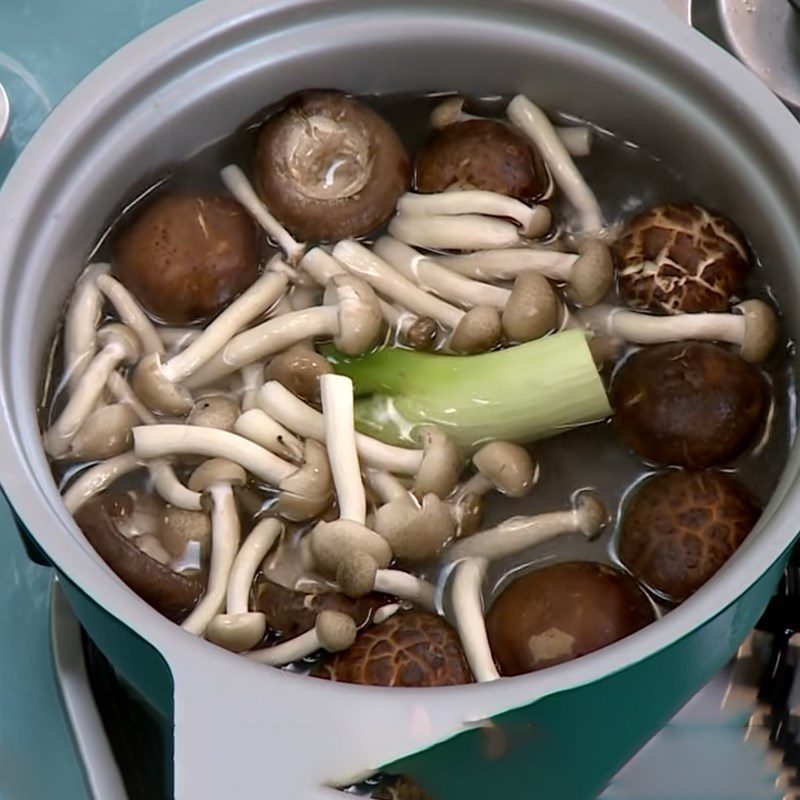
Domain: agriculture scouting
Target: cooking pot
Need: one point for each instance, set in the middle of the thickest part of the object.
(243, 730)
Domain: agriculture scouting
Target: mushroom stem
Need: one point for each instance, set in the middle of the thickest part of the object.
(169, 488)
(259, 427)
(428, 274)
(360, 261)
(533, 122)
(577, 139)
(477, 484)
(238, 185)
(254, 302)
(333, 632)
(465, 232)
(385, 484)
(177, 338)
(305, 421)
(122, 391)
(532, 221)
(225, 533)
(131, 313)
(252, 381)
(406, 587)
(465, 595)
(156, 441)
(253, 551)
(97, 479)
(337, 408)
(80, 323)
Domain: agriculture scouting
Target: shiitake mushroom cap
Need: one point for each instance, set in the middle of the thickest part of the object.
(481, 154)
(169, 592)
(411, 648)
(186, 256)
(679, 257)
(329, 167)
(689, 404)
(680, 527)
(561, 612)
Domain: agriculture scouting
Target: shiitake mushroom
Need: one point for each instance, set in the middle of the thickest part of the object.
(481, 154)
(186, 256)
(680, 527)
(329, 167)
(411, 648)
(171, 593)
(561, 612)
(690, 404)
(680, 257)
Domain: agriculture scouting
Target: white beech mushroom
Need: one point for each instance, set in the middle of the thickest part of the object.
(131, 313)
(80, 323)
(436, 466)
(463, 232)
(752, 326)
(97, 478)
(588, 517)
(588, 275)
(123, 393)
(175, 339)
(169, 488)
(534, 123)
(119, 345)
(350, 315)
(216, 479)
(332, 541)
(257, 426)
(304, 490)
(252, 381)
(502, 466)
(333, 631)
(466, 597)
(238, 185)
(239, 628)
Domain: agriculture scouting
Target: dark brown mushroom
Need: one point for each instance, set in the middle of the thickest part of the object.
(680, 257)
(561, 612)
(411, 648)
(291, 613)
(689, 404)
(186, 256)
(422, 333)
(481, 154)
(171, 593)
(329, 167)
(299, 369)
(399, 787)
(680, 527)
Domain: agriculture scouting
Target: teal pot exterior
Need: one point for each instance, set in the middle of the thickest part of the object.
(629, 66)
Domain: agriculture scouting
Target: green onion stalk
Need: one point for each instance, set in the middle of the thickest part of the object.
(520, 394)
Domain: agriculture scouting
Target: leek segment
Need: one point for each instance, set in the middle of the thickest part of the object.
(521, 393)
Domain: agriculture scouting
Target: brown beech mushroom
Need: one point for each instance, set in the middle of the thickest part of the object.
(171, 593)
(329, 167)
(502, 466)
(481, 154)
(479, 330)
(105, 433)
(532, 309)
(186, 256)
(561, 612)
(411, 648)
(689, 404)
(681, 257)
(299, 369)
(421, 334)
(182, 529)
(680, 527)
(214, 411)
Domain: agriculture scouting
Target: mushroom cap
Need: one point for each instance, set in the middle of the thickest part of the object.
(336, 631)
(237, 632)
(411, 648)
(360, 319)
(156, 391)
(422, 333)
(480, 330)
(299, 369)
(468, 514)
(216, 470)
(180, 526)
(482, 154)
(592, 274)
(122, 336)
(592, 513)
(561, 612)
(416, 531)
(331, 542)
(214, 411)
(106, 432)
(329, 167)
(308, 491)
(171, 593)
(532, 308)
(680, 257)
(441, 464)
(508, 466)
(689, 404)
(355, 575)
(186, 256)
(760, 330)
(680, 527)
